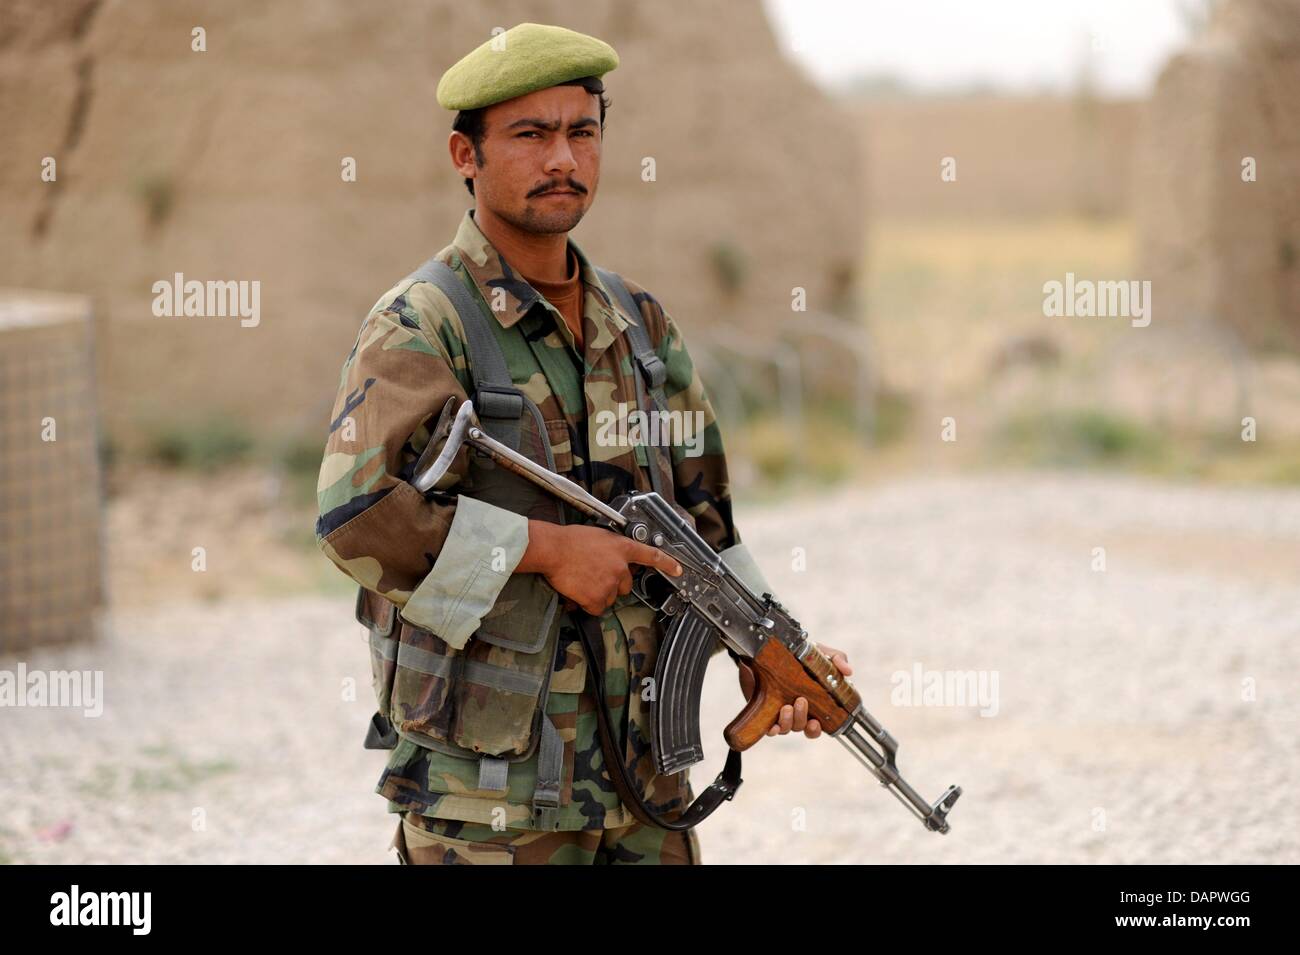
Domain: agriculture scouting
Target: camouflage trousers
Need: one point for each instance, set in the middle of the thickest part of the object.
(423, 840)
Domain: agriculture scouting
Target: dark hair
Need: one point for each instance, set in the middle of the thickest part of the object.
(470, 123)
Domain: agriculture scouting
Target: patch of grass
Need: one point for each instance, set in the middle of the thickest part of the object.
(1283, 469)
(156, 192)
(828, 450)
(1225, 457)
(330, 581)
(298, 457)
(178, 774)
(1082, 437)
(202, 444)
(300, 453)
(101, 780)
(300, 537)
(770, 446)
(163, 768)
(730, 266)
(942, 295)
(894, 413)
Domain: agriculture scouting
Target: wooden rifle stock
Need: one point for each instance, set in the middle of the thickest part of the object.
(779, 679)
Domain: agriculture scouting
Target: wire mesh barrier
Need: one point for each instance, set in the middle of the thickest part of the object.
(735, 361)
(51, 512)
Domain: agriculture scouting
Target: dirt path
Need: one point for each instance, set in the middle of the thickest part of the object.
(1144, 713)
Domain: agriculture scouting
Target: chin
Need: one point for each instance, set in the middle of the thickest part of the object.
(553, 221)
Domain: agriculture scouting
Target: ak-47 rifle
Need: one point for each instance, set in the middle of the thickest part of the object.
(706, 603)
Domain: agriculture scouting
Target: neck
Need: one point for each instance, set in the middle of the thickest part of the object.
(543, 257)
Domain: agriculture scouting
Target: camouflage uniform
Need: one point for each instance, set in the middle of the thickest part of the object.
(424, 840)
(409, 357)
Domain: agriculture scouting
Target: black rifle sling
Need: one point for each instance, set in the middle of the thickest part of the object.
(720, 790)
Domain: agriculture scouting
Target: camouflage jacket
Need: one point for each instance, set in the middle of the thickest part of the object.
(409, 357)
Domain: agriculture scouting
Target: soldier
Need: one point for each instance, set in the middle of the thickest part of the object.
(483, 686)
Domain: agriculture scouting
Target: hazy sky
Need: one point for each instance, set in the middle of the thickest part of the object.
(1020, 45)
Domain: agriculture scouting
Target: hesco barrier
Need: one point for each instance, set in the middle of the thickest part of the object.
(51, 511)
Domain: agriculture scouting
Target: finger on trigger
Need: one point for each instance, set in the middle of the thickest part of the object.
(653, 557)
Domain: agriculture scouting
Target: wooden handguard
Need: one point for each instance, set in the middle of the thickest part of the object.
(840, 689)
(779, 678)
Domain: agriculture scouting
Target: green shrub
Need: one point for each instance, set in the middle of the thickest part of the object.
(156, 192)
(206, 443)
(1081, 437)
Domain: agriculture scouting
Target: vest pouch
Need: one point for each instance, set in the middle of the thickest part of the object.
(378, 616)
(486, 698)
(422, 703)
(506, 669)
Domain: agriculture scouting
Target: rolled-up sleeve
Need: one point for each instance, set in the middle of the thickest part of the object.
(483, 547)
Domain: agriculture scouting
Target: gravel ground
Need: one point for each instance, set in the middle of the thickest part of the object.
(1143, 713)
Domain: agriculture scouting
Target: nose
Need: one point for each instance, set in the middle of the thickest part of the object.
(560, 162)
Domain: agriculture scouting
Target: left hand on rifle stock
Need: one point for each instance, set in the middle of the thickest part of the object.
(796, 717)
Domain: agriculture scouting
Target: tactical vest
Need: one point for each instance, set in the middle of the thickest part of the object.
(487, 701)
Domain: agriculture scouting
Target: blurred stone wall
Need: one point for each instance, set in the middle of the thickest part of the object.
(225, 165)
(1217, 247)
(1016, 156)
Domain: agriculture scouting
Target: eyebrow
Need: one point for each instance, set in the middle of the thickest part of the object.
(552, 125)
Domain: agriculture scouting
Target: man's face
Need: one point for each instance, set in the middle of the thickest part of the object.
(533, 145)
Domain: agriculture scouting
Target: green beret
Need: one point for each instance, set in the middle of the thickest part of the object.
(523, 59)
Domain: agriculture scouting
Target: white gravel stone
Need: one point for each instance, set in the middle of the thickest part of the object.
(1145, 713)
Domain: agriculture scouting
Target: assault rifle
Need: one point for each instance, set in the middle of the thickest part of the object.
(706, 603)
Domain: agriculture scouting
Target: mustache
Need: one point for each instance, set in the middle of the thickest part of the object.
(551, 187)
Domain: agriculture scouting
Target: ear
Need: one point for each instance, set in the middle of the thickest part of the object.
(461, 151)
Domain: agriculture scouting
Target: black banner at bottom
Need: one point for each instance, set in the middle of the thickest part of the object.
(215, 904)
